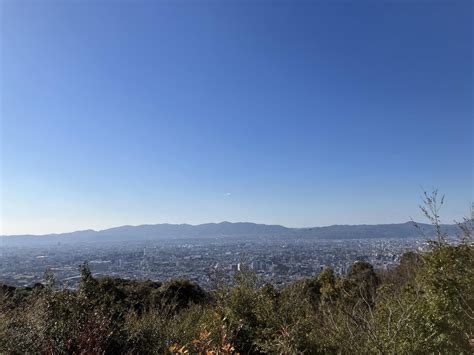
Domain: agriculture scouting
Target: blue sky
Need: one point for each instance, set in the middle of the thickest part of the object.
(296, 113)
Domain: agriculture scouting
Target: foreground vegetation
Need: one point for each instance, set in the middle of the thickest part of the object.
(424, 305)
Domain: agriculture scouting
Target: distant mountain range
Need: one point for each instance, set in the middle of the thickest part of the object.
(232, 230)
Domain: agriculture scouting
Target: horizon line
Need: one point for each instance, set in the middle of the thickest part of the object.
(209, 223)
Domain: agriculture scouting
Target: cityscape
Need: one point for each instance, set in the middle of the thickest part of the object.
(236, 177)
(276, 260)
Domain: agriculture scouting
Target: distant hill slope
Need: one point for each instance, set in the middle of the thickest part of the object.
(231, 230)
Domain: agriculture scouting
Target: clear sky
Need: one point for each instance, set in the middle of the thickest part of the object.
(295, 113)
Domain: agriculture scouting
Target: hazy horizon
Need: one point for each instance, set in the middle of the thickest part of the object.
(232, 222)
(298, 114)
